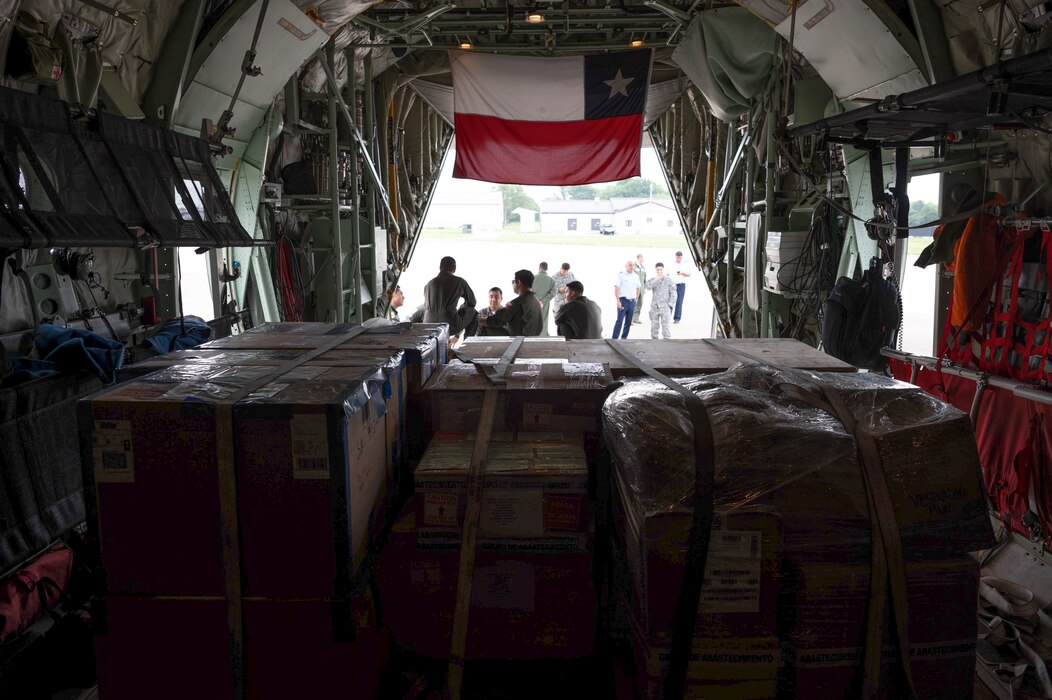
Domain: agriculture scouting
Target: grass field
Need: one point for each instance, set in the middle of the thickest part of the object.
(916, 245)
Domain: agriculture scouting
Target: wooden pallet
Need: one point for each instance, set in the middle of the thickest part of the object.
(672, 357)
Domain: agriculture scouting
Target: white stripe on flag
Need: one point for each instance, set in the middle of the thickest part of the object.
(518, 88)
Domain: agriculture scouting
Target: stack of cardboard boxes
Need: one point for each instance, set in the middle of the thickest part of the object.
(235, 502)
(532, 593)
(789, 560)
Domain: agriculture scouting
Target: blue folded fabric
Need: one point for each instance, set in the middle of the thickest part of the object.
(73, 349)
(24, 369)
(170, 336)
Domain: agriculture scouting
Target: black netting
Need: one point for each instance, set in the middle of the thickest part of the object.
(66, 183)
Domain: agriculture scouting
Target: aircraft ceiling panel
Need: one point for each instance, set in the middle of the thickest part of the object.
(207, 103)
(288, 38)
(853, 49)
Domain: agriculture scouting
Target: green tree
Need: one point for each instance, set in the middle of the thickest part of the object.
(515, 197)
(922, 212)
(579, 192)
(635, 187)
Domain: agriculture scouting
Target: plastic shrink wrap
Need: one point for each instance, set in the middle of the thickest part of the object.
(790, 551)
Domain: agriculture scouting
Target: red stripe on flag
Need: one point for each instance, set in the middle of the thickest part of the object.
(547, 153)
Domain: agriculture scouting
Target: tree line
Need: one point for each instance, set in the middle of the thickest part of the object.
(515, 196)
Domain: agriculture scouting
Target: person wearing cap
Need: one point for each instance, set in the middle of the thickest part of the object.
(680, 273)
(522, 316)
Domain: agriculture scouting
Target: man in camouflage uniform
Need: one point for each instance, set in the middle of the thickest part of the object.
(662, 301)
(561, 278)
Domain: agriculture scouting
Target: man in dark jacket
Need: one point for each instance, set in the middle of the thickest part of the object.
(496, 303)
(441, 296)
(523, 315)
(579, 317)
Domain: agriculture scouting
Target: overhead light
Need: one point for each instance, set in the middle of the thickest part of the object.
(465, 44)
(534, 18)
(635, 43)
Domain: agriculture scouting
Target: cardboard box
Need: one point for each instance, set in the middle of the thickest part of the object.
(826, 642)
(392, 361)
(263, 358)
(739, 595)
(728, 668)
(777, 451)
(532, 488)
(177, 648)
(421, 353)
(259, 340)
(564, 398)
(290, 651)
(164, 649)
(532, 351)
(532, 598)
(312, 478)
(426, 345)
(309, 453)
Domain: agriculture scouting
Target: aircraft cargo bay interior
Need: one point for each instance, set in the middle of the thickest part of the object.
(451, 349)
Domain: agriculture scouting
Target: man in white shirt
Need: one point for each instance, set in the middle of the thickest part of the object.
(680, 273)
(626, 292)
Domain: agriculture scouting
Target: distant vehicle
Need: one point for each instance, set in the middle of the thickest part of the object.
(607, 230)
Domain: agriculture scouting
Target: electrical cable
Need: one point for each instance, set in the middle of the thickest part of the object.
(812, 187)
(102, 314)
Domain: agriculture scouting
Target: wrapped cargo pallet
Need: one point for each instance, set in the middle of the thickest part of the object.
(559, 397)
(424, 348)
(234, 506)
(532, 593)
(783, 454)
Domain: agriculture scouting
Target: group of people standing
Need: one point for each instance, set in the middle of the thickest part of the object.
(576, 316)
(536, 295)
(666, 302)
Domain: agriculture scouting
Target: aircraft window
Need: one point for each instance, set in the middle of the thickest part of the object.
(194, 189)
(22, 187)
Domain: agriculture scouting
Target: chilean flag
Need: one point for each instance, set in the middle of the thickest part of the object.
(549, 121)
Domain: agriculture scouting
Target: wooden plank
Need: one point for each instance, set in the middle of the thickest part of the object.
(491, 348)
(680, 357)
(462, 611)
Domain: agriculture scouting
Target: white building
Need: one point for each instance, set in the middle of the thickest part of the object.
(481, 209)
(637, 216)
(527, 219)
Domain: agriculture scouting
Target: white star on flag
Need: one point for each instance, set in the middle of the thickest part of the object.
(618, 85)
